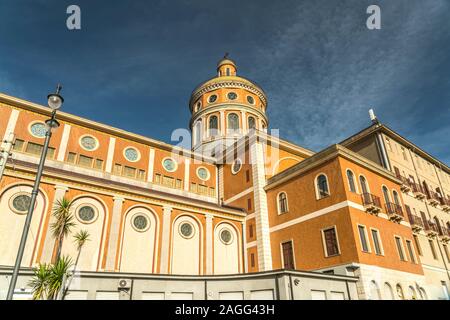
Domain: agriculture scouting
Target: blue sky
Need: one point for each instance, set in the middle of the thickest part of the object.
(134, 64)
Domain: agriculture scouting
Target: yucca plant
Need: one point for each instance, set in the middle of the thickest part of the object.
(80, 240)
(62, 212)
(39, 282)
(58, 273)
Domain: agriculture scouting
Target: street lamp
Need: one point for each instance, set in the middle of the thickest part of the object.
(55, 102)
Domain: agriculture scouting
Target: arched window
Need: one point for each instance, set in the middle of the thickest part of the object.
(399, 290)
(322, 186)
(213, 126)
(197, 132)
(251, 123)
(282, 203)
(388, 292)
(233, 122)
(412, 293)
(351, 181)
(363, 183)
(374, 291)
(396, 198)
(386, 195)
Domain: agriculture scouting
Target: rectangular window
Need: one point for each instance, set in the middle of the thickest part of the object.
(247, 175)
(388, 143)
(18, 145)
(331, 242)
(193, 187)
(71, 157)
(50, 153)
(447, 254)
(98, 164)
(34, 148)
(398, 242)
(376, 242)
(179, 184)
(363, 238)
(416, 241)
(203, 190)
(412, 256)
(252, 260)
(141, 174)
(157, 178)
(250, 230)
(249, 204)
(118, 169)
(404, 154)
(288, 255)
(433, 249)
(212, 192)
(168, 181)
(85, 161)
(129, 172)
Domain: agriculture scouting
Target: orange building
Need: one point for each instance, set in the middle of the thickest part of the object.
(241, 201)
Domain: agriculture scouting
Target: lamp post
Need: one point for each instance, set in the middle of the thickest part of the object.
(54, 102)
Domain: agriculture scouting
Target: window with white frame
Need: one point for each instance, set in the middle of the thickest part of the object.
(401, 252)
(351, 181)
(282, 203)
(363, 238)
(412, 255)
(377, 242)
(322, 186)
(330, 241)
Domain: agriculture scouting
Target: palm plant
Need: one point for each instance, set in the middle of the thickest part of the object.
(58, 274)
(62, 212)
(39, 282)
(80, 239)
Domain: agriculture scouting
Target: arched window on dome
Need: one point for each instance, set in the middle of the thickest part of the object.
(213, 126)
(233, 122)
(251, 123)
(197, 132)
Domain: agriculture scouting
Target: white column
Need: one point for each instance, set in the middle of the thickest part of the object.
(110, 156)
(244, 246)
(11, 126)
(49, 242)
(187, 164)
(244, 122)
(114, 234)
(64, 142)
(221, 184)
(261, 211)
(165, 241)
(151, 164)
(223, 128)
(209, 244)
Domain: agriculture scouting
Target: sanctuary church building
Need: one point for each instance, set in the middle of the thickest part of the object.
(243, 215)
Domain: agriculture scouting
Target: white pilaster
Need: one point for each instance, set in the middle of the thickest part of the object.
(165, 242)
(114, 234)
(60, 191)
(261, 211)
(221, 184)
(64, 142)
(244, 246)
(151, 164)
(110, 156)
(223, 128)
(209, 244)
(187, 165)
(244, 122)
(11, 126)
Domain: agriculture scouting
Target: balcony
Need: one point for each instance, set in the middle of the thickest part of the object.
(431, 228)
(444, 234)
(394, 212)
(445, 204)
(417, 191)
(433, 198)
(406, 184)
(416, 222)
(371, 203)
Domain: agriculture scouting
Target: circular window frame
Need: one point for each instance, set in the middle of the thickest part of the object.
(135, 149)
(231, 234)
(32, 124)
(181, 233)
(10, 202)
(229, 99)
(207, 171)
(97, 143)
(137, 214)
(77, 213)
(170, 158)
(209, 98)
(232, 166)
(254, 100)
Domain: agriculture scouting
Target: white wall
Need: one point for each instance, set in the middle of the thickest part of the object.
(226, 256)
(186, 253)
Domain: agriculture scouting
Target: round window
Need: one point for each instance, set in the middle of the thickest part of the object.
(186, 230)
(203, 173)
(236, 167)
(20, 203)
(250, 100)
(89, 143)
(169, 164)
(212, 98)
(131, 154)
(38, 129)
(232, 95)
(140, 222)
(226, 236)
(86, 214)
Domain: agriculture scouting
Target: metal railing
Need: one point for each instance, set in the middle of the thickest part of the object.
(393, 208)
(415, 220)
(369, 199)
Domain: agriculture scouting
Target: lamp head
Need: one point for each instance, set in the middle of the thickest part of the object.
(55, 100)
